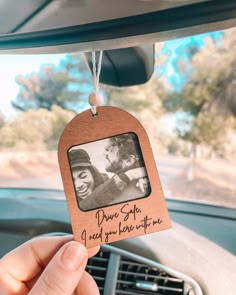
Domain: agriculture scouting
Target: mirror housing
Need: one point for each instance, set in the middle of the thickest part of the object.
(126, 66)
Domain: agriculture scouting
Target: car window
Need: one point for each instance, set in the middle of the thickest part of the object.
(188, 109)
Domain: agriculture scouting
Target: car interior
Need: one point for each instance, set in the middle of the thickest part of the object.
(197, 255)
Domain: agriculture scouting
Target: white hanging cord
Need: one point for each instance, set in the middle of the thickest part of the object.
(95, 99)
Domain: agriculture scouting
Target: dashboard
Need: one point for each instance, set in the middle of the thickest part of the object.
(195, 256)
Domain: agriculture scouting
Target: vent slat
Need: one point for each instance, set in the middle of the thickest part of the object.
(125, 282)
(99, 278)
(94, 267)
(126, 292)
(133, 263)
(129, 273)
(180, 290)
(122, 292)
(95, 258)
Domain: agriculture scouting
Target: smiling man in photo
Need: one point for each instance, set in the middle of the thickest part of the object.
(129, 180)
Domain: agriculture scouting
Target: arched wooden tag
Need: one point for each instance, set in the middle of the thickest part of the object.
(123, 204)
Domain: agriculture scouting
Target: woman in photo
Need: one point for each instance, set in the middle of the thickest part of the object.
(128, 182)
(85, 175)
(95, 190)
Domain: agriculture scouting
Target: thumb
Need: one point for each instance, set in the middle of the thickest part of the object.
(63, 272)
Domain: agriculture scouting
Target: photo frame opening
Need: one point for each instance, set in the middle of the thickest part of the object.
(108, 172)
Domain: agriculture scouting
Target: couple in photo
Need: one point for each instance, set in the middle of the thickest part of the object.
(129, 181)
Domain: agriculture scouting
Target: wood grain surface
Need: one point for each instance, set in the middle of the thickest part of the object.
(120, 221)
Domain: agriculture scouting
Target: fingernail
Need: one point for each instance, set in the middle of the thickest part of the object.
(73, 255)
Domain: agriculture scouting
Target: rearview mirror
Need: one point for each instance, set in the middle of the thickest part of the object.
(126, 66)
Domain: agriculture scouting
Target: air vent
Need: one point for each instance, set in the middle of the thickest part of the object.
(97, 267)
(137, 278)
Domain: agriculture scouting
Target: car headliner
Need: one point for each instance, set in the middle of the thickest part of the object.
(127, 31)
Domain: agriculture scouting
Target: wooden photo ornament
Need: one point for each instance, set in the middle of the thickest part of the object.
(110, 179)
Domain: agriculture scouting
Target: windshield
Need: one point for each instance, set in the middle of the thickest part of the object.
(188, 109)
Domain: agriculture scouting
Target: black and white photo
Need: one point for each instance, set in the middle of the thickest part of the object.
(108, 171)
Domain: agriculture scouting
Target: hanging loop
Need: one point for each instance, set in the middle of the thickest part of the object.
(95, 98)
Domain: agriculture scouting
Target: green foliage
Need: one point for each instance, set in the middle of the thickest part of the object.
(64, 86)
(137, 99)
(172, 144)
(35, 127)
(214, 78)
(2, 120)
(60, 119)
(143, 102)
(210, 129)
(208, 98)
(173, 148)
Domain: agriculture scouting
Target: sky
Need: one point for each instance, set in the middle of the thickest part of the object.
(13, 65)
(175, 49)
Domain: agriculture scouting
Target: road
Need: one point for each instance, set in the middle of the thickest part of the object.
(214, 180)
(170, 167)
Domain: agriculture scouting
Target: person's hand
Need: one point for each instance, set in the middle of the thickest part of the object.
(140, 175)
(136, 173)
(142, 184)
(47, 266)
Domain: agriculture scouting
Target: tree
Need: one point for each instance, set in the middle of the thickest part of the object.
(35, 128)
(214, 78)
(64, 86)
(2, 119)
(137, 98)
(143, 101)
(208, 99)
